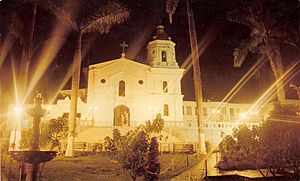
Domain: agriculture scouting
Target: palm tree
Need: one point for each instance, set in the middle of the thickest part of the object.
(268, 31)
(100, 20)
(23, 27)
(170, 9)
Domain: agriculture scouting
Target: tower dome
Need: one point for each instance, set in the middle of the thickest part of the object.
(161, 50)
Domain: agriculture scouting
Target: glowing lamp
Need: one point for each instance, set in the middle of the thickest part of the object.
(18, 110)
(243, 115)
(215, 111)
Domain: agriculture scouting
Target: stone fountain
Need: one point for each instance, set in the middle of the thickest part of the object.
(33, 157)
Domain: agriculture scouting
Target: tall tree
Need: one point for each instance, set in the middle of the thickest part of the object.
(267, 21)
(22, 27)
(27, 50)
(93, 17)
(170, 9)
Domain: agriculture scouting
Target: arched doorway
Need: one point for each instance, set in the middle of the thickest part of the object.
(121, 116)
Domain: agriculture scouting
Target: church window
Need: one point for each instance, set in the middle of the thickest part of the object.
(103, 81)
(231, 112)
(122, 88)
(163, 56)
(204, 111)
(237, 111)
(188, 110)
(165, 86)
(183, 110)
(166, 110)
(224, 111)
(141, 81)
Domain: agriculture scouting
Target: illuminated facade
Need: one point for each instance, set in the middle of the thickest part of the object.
(123, 93)
(220, 119)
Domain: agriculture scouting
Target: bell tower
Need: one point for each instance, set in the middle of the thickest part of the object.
(161, 50)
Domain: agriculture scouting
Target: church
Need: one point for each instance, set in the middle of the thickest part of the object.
(126, 93)
(122, 94)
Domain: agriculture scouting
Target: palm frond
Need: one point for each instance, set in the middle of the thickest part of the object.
(247, 17)
(286, 35)
(104, 18)
(63, 16)
(171, 6)
(246, 46)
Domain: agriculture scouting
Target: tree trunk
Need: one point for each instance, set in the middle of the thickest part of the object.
(26, 54)
(277, 68)
(196, 77)
(74, 96)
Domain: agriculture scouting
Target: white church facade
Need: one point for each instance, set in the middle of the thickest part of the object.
(124, 93)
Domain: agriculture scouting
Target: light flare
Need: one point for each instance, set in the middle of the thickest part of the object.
(13, 67)
(47, 56)
(209, 36)
(137, 44)
(61, 85)
(265, 98)
(271, 92)
(5, 48)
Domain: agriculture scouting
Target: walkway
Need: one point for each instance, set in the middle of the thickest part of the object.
(198, 172)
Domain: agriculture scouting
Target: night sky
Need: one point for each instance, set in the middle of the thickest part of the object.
(218, 74)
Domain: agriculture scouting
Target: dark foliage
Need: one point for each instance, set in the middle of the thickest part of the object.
(137, 150)
(274, 145)
(153, 165)
(52, 133)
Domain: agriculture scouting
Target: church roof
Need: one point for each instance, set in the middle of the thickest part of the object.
(161, 34)
(116, 61)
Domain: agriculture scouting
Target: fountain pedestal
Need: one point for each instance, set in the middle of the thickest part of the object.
(32, 159)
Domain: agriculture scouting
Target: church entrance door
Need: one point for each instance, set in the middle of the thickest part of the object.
(121, 116)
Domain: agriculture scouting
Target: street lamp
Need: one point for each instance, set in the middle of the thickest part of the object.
(297, 88)
(92, 110)
(16, 137)
(243, 115)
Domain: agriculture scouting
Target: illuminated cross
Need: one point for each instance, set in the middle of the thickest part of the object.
(123, 45)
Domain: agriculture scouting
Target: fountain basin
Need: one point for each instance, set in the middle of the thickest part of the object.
(33, 157)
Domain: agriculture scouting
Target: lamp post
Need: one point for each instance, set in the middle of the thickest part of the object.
(18, 111)
(33, 157)
(297, 88)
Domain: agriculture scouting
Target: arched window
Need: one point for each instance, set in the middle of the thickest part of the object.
(165, 86)
(166, 110)
(163, 56)
(122, 88)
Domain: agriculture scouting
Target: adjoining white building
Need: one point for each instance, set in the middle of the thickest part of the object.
(123, 93)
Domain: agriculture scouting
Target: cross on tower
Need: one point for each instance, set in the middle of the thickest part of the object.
(123, 45)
